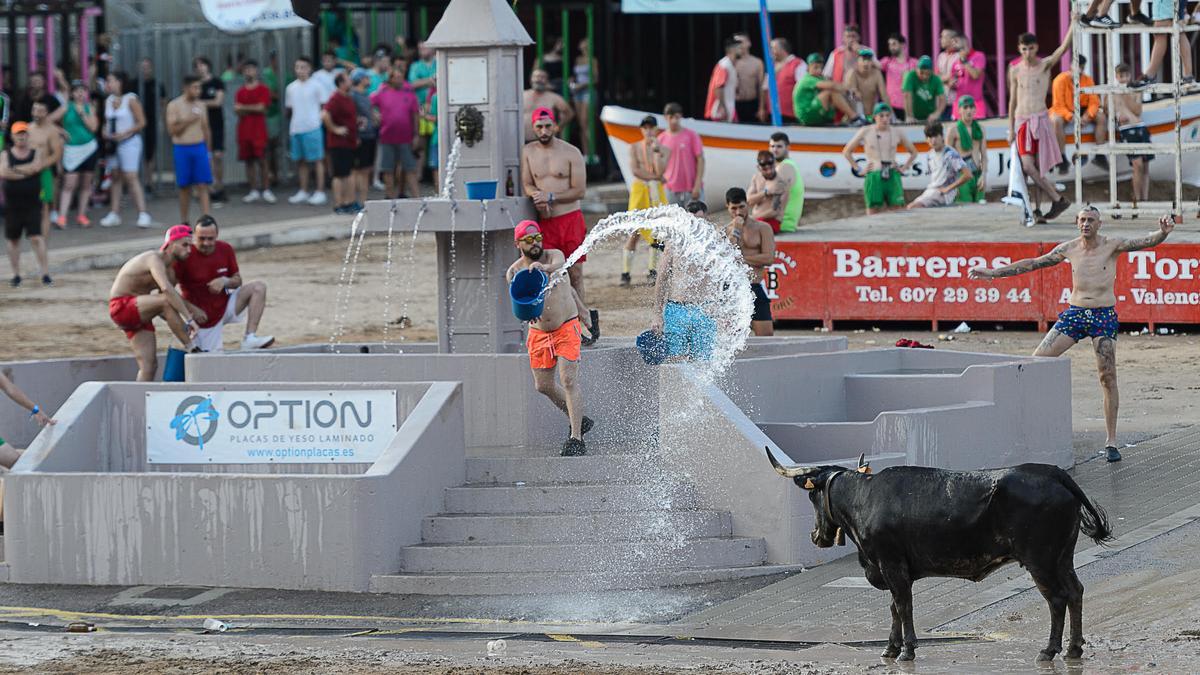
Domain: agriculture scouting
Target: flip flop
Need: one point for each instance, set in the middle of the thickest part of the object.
(1113, 455)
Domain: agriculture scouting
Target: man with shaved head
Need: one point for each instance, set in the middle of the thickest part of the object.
(1091, 313)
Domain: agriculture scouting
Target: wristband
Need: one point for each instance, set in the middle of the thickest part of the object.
(35, 410)
(550, 199)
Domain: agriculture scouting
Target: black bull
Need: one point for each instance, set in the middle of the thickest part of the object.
(911, 522)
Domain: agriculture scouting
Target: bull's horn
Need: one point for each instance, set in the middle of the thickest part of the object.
(788, 472)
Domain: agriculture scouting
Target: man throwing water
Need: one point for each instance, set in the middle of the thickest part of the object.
(1091, 313)
(554, 337)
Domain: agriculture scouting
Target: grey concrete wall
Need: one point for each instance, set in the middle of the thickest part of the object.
(76, 524)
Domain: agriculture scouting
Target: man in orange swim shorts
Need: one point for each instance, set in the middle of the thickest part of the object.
(132, 306)
(555, 336)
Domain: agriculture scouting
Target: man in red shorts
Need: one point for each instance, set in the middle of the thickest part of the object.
(553, 175)
(555, 336)
(250, 103)
(133, 308)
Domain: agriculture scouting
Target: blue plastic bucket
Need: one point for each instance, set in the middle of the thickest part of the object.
(653, 347)
(526, 293)
(173, 369)
(481, 189)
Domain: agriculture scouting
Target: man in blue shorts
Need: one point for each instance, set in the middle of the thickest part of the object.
(688, 331)
(1092, 312)
(187, 122)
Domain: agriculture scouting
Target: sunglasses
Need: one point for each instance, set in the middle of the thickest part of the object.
(530, 239)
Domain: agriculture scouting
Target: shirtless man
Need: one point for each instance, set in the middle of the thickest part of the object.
(132, 306)
(554, 337)
(881, 183)
(648, 162)
(8, 454)
(539, 95)
(681, 302)
(757, 243)
(1091, 313)
(553, 175)
(1029, 119)
(46, 137)
(770, 189)
(965, 135)
(187, 123)
(1130, 129)
(865, 84)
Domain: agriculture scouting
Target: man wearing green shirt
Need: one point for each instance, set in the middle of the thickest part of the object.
(780, 146)
(422, 75)
(924, 94)
(816, 98)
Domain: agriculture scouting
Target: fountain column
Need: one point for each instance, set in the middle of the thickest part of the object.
(480, 69)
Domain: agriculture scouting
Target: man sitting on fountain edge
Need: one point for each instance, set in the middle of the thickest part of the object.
(554, 337)
(553, 175)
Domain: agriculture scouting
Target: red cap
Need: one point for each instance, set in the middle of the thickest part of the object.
(176, 233)
(526, 228)
(542, 113)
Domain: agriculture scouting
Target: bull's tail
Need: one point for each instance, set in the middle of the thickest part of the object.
(1094, 521)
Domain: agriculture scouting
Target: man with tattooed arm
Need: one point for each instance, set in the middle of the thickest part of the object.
(1091, 313)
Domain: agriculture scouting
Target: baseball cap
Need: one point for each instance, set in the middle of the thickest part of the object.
(359, 75)
(925, 63)
(881, 107)
(867, 52)
(815, 57)
(542, 113)
(966, 101)
(649, 121)
(176, 233)
(19, 127)
(525, 228)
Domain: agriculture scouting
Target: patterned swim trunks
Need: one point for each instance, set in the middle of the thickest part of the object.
(1078, 323)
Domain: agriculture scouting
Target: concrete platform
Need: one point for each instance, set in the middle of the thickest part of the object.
(991, 222)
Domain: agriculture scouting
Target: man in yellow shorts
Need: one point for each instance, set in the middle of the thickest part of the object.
(881, 183)
(648, 160)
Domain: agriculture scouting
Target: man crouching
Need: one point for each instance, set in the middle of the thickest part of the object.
(555, 336)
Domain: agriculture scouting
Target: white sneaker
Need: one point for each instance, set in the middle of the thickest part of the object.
(111, 220)
(317, 199)
(269, 197)
(144, 220)
(252, 341)
(252, 197)
(378, 186)
(299, 197)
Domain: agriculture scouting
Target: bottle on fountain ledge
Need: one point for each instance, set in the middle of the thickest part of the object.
(509, 187)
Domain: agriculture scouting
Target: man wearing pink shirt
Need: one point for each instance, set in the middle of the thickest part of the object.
(399, 110)
(684, 176)
(787, 65)
(966, 76)
(895, 67)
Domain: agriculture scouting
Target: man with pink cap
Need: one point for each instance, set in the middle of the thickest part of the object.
(133, 308)
(555, 336)
(553, 175)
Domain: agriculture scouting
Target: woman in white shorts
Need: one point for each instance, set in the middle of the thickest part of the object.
(124, 120)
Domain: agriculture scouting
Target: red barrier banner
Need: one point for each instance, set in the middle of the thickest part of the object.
(927, 281)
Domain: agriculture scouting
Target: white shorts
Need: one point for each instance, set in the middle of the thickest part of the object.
(209, 339)
(129, 154)
(933, 197)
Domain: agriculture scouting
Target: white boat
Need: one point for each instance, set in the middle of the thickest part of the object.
(729, 150)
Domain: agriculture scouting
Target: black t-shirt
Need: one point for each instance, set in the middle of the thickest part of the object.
(151, 93)
(208, 91)
(23, 110)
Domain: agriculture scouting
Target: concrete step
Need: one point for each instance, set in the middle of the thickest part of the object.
(536, 528)
(564, 498)
(586, 469)
(590, 557)
(531, 583)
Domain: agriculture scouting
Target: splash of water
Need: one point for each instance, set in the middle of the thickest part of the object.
(700, 247)
(451, 168)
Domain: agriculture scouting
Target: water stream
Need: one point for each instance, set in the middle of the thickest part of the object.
(358, 233)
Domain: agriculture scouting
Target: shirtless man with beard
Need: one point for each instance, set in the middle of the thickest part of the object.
(756, 241)
(555, 336)
(1091, 312)
(553, 175)
(540, 95)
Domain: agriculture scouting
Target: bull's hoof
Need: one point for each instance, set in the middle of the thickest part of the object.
(1074, 653)
(891, 652)
(1045, 656)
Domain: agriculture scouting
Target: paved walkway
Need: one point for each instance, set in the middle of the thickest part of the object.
(1151, 492)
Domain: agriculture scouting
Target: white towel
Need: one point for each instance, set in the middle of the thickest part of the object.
(1018, 192)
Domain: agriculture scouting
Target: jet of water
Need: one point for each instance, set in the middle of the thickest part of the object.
(451, 168)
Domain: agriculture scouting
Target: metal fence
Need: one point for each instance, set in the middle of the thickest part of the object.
(172, 47)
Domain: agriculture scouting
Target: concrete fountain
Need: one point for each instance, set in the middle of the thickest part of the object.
(452, 484)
